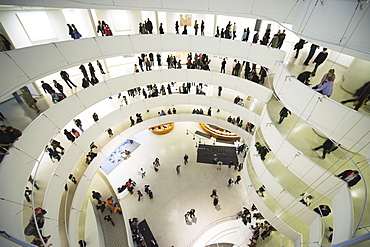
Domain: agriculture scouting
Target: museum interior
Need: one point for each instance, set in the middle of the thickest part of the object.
(184, 123)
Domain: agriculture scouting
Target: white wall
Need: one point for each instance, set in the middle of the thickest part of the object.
(346, 26)
(133, 17)
(93, 232)
(18, 35)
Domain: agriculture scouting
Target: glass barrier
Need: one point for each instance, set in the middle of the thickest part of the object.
(317, 121)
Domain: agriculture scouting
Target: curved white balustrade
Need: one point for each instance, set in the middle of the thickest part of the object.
(277, 191)
(334, 120)
(83, 185)
(270, 216)
(55, 189)
(342, 210)
(302, 167)
(289, 203)
(227, 231)
(18, 66)
(315, 176)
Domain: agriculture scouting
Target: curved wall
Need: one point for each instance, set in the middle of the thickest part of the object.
(19, 67)
(17, 166)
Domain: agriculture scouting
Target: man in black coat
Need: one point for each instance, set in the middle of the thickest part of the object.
(255, 38)
(352, 177)
(223, 66)
(281, 37)
(65, 77)
(323, 210)
(311, 53)
(283, 114)
(83, 70)
(320, 59)
(305, 76)
(328, 147)
(237, 68)
(48, 89)
(149, 26)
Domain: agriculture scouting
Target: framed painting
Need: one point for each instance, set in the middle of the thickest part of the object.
(185, 19)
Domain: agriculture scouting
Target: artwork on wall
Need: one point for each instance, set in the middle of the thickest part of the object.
(119, 155)
(37, 25)
(185, 19)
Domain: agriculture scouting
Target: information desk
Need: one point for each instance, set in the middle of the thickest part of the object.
(162, 128)
(218, 132)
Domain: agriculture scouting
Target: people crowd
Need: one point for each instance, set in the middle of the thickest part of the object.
(259, 228)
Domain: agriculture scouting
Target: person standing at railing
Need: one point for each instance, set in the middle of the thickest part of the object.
(311, 53)
(185, 32)
(100, 28)
(196, 26)
(47, 89)
(149, 26)
(223, 65)
(351, 177)
(281, 37)
(76, 34)
(202, 28)
(263, 74)
(234, 31)
(177, 27)
(274, 43)
(65, 77)
(255, 38)
(245, 34)
(299, 46)
(78, 124)
(161, 29)
(321, 57)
